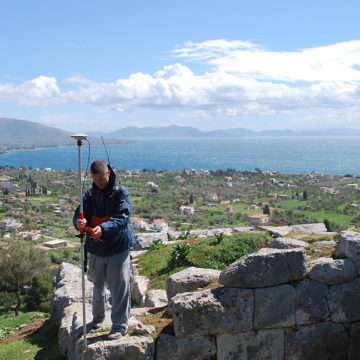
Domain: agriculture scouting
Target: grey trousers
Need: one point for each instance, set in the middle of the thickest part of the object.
(115, 272)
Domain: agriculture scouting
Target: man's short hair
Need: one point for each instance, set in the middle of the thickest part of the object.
(99, 167)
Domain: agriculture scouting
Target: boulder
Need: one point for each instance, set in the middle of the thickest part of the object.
(190, 279)
(318, 228)
(287, 243)
(349, 247)
(177, 348)
(212, 311)
(311, 302)
(124, 348)
(274, 307)
(324, 243)
(331, 271)
(262, 344)
(139, 286)
(277, 230)
(245, 229)
(266, 267)
(322, 341)
(144, 240)
(156, 298)
(344, 300)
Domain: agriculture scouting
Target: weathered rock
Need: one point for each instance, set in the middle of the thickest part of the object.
(311, 304)
(212, 311)
(177, 348)
(349, 247)
(262, 344)
(354, 345)
(124, 348)
(321, 341)
(245, 229)
(265, 267)
(189, 279)
(144, 240)
(274, 307)
(139, 286)
(277, 230)
(156, 298)
(324, 243)
(141, 329)
(287, 243)
(68, 290)
(210, 232)
(318, 228)
(344, 300)
(331, 271)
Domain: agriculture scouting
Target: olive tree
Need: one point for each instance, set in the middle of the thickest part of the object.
(19, 261)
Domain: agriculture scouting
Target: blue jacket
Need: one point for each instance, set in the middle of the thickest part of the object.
(111, 209)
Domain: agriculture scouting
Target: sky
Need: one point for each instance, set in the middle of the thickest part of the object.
(86, 65)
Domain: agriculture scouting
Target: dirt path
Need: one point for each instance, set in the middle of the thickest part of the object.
(25, 332)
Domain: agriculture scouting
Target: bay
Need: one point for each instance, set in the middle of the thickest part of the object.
(331, 155)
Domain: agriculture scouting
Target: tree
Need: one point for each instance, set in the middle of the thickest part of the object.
(266, 209)
(305, 195)
(19, 260)
(327, 225)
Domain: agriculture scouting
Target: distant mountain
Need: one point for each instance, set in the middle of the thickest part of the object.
(16, 134)
(175, 131)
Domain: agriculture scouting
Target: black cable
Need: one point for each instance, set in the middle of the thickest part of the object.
(106, 150)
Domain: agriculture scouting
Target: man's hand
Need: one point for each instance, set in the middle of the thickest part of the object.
(97, 233)
(80, 222)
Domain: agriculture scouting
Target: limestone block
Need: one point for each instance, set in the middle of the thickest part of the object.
(266, 267)
(144, 240)
(177, 348)
(262, 344)
(124, 348)
(354, 346)
(156, 298)
(245, 229)
(212, 311)
(349, 246)
(344, 300)
(331, 271)
(322, 341)
(139, 286)
(318, 228)
(189, 279)
(277, 230)
(68, 290)
(287, 243)
(274, 307)
(311, 304)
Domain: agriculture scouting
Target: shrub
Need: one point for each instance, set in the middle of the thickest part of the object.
(179, 254)
(156, 244)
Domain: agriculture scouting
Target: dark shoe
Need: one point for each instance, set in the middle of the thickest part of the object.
(115, 334)
(94, 325)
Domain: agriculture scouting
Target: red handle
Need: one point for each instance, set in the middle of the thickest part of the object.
(86, 229)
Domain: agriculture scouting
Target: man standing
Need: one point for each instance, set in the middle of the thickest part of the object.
(107, 209)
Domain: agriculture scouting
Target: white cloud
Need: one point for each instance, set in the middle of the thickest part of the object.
(245, 79)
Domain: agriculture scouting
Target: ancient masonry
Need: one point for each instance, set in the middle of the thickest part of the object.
(272, 305)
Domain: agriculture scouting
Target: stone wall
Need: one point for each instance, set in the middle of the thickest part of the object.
(271, 304)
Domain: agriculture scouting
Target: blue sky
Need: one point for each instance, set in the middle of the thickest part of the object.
(87, 65)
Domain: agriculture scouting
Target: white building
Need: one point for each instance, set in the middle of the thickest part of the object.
(139, 224)
(159, 225)
(187, 210)
(9, 223)
(258, 219)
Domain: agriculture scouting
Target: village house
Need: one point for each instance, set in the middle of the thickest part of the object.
(56, 244)
(228, 184)
(326, 190)
(187, 210)
(213, 197)
(33, 235)
(352, 186)
(258, 219)
(159, 225)
(253, 207)
(181, 181)
(9, 223)
(139, 224)
(152, 184)
(229, 209)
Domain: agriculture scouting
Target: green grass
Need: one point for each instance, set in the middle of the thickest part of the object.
(7, 319)
(205, 253)
(290, 204)
(320, 216)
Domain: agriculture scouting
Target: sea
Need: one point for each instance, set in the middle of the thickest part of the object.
(330, 155)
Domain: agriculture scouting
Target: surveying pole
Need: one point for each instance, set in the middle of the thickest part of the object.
(80, 138)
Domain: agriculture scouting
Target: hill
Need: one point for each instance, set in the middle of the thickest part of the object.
(21, 134)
